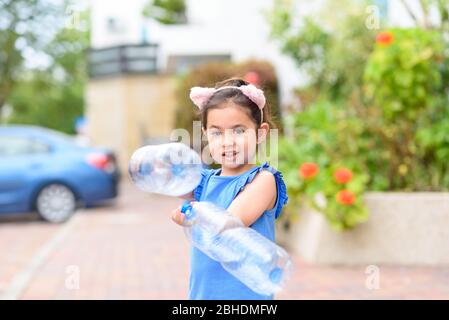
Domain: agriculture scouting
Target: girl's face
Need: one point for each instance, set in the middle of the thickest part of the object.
(232, 135)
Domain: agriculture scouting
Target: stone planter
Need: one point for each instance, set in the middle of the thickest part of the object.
(403, 229)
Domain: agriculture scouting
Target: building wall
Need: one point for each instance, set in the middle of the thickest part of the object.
(226, 27)
(126, 112)
(233, 27)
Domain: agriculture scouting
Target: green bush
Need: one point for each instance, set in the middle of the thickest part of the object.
(403, 89)
(206, 75)
(401, 75)
(325, 135)
(376, 104)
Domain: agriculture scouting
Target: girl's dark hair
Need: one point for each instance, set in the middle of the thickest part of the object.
(237, 97)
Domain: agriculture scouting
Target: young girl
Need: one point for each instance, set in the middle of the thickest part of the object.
(235, 120)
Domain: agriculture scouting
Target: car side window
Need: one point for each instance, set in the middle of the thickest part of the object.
(15, 146)
(37, 146)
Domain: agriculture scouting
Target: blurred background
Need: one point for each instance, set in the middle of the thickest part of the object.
(359, 91)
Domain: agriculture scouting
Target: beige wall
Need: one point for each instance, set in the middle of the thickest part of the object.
(122, 111)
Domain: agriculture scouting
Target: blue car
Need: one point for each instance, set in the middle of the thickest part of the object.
(46, 171)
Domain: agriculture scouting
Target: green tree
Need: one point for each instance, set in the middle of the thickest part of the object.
(24, 25)
(166, 11)
(54, 96)
(331, 47)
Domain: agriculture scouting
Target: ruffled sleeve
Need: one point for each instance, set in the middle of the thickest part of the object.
(282, 197)
(205, 173)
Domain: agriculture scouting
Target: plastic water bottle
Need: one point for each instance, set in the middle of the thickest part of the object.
(171, 169)
(256, 261)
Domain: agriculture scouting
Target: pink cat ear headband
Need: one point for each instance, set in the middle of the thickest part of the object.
(201, 95)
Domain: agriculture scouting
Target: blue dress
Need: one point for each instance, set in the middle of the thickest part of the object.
(208, 279)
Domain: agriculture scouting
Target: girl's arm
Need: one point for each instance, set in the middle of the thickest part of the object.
(258, 196)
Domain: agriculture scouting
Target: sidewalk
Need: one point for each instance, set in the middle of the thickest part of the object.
(132, 250)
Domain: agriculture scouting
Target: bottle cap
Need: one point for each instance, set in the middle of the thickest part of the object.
(186, 207)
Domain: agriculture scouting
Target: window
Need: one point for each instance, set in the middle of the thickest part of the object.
(15, 146)
(181, 63)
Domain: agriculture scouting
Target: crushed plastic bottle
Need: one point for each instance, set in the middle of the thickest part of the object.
(171, 169)
(256, 261)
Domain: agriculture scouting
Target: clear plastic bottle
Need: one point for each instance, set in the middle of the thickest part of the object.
(256, 261)
(171, 169)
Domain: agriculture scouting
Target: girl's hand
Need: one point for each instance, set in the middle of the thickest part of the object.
(177, 216)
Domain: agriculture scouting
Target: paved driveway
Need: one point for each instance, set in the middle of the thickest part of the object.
(130, 249)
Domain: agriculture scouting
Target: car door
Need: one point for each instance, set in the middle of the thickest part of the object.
(21, 157)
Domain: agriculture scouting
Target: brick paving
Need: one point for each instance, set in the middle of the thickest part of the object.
(130, 249)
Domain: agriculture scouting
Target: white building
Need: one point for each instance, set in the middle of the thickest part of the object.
(216, 28)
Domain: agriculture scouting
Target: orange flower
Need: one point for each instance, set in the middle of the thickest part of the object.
(308, 170)
(343, 175)
(385, 38)
(252, 77)
(345, 197)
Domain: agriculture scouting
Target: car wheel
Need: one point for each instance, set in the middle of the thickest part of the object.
(56, 203)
